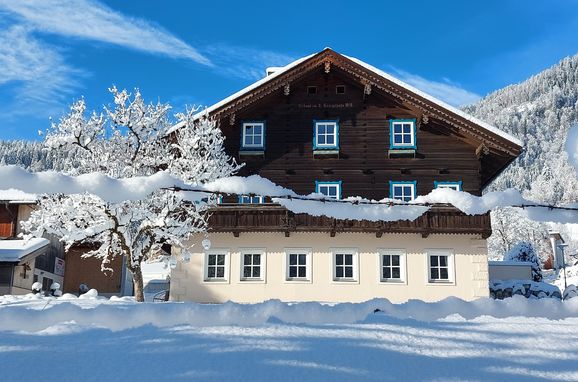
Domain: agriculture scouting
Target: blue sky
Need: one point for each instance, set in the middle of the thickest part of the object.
(187, 52)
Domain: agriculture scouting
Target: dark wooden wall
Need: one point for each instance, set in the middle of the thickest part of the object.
(363, 164)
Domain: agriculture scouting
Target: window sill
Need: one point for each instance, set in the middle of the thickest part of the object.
(401, 153)
(252, 281)
(245, 152)
(345, 281)
(216, 281)
(326, 153)
(393, 282)
(298, 281)
(441, 282)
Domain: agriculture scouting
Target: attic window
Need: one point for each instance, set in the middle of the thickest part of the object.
(311, 90)
(340, 89)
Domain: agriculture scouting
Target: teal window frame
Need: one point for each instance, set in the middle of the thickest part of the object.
(325, 146)
(445, 184)
(253, 146)
(393, 184)
(319, 184)
(401, 146)
(243, 199)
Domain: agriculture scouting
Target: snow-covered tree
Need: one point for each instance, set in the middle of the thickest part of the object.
(524, 251)
(131, 139)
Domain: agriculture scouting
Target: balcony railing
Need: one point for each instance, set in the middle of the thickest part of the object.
(440, 219)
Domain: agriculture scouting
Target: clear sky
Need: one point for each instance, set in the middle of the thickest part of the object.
(198, 52)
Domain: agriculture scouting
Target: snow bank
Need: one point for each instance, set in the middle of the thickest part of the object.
(116, 190)
(33, 313)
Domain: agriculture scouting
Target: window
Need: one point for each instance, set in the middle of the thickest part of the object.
(247, 199)
(404, 191)
(298, 265)
(453, 185)
(440, 266)
(253, 135)
(253, 265)
(392, 265)
(344, 265)
(326, 135)
(340, 89)
(330, 189)
(311, 90)
(402, 133)
(217, 266)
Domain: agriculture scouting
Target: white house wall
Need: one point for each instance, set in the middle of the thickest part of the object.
(469, 281)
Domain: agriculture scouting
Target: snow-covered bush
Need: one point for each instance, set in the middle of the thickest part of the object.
(132, 139)
(530, 289)
(525, 252)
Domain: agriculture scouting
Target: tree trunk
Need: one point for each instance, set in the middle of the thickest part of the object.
(138, 283)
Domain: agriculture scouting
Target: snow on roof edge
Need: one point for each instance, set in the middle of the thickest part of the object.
(16, 250)
(437, 101)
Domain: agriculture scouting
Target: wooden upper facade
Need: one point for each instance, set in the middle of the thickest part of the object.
(361, 105)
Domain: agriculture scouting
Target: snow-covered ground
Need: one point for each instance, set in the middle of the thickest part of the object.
(73, 339)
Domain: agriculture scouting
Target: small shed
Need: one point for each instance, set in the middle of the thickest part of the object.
(510, 270)
(17, 258)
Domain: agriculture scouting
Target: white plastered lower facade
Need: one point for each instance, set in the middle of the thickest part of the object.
(466, 268)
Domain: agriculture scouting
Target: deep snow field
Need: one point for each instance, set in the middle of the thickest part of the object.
(93, 339)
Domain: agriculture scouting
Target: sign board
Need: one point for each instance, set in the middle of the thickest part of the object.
(59, 266)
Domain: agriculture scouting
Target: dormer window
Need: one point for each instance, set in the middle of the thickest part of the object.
(253, 137)
(326, 135)
(329, 189)
(452, 185)
(404, 191)
(402, 134)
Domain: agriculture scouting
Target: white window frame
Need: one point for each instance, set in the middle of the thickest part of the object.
(450, 266)
(253, 145)
(263, 265)
(260, 199)
(402, 265)
(403, 184)
(217, 251)
(355, 265)
(308, 265)
(412, 134)
(335, 134)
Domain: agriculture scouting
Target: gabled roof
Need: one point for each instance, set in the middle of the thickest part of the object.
(429, 106)
(12, 196)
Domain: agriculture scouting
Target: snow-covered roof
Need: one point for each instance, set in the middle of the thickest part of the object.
(15, 250)
(373, 69)
(510, 263)
(16, 196)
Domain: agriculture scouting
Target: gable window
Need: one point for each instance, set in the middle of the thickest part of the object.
(248, 199)
(404, 191)
(326, 135)
(340, 89)
(252, 265)
(253, 136)
(452, 185)
(344, 265)
(329, 189)
(298, 265)
(402, 134)
(217, 266)
(440, 266)
(311, 90)
(392, 265)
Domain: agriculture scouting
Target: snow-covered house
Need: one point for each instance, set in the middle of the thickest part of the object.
(335, 125)
(23, 262)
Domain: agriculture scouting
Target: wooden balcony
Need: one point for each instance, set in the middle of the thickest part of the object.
(442, 219)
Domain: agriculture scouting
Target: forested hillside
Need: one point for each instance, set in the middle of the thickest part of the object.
(539, 111)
